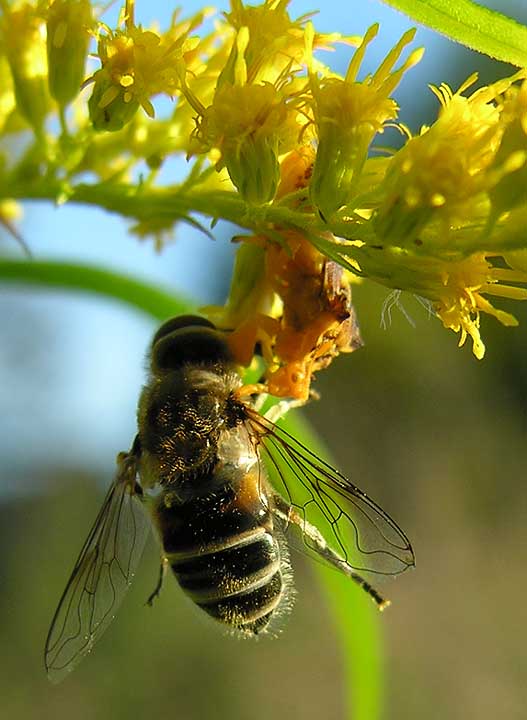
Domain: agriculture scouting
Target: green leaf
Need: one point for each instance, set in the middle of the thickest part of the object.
(477, 27)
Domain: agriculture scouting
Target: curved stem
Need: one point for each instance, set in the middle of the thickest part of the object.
(357, 621)
(148, 298)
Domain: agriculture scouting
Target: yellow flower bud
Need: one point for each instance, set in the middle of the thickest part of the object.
(7, 95)
(251, 125)
(110, 108)
(348, 114)
(22, 36)
(68, 26)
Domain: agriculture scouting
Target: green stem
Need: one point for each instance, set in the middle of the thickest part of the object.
(63, 121)
(357, 621)
(167, 204)
(148, 298)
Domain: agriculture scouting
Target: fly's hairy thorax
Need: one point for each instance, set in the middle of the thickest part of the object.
(183, 416)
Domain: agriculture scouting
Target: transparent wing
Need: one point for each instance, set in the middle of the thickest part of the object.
(101, 576)
(354, 526)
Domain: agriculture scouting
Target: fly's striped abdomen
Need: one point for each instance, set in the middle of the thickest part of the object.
(225, 554)
(240, 585)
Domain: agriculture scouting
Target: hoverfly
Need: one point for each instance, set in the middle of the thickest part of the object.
(197, 467)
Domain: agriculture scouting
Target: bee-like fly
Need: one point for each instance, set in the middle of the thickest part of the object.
(222, 485)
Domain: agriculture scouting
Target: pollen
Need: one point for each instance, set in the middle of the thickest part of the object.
(289, 299)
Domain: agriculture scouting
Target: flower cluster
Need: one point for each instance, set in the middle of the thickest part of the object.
(137, 65)
(449, 205)
(283, 146)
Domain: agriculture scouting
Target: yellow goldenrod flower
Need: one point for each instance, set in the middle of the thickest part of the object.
(461, 298)
(138, 64)
(347, 115)
(250, 125)
(23, 39)
(456, 288)
(10, 213)
(275, 41)
(68, 32)
(445, 174)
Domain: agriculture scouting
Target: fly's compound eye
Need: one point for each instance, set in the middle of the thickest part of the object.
(192, 345)
(179, 322)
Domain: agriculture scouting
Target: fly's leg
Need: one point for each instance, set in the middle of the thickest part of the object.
(260, 401)
(278, 410)
(127, 463)
(132, 459)
(163, 568)
(287, 514)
